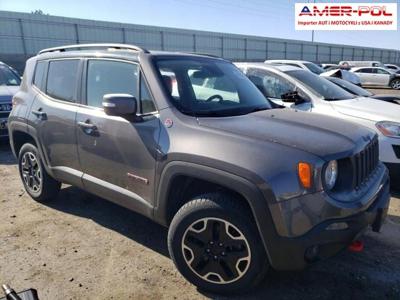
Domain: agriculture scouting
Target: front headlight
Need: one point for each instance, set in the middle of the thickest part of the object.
(390, 129)
(331, 174)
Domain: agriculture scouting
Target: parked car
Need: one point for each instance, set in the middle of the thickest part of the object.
(328, 67)
(303, 64)
(302, 90)
(9, 83)
(394, 68)
(361, 63)
(241, 186)
(359, 91)
(310, 66)
(377, 76)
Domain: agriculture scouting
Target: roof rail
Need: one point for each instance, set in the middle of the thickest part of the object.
(93, 46)
(204, 54)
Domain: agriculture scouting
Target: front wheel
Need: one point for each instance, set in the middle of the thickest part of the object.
(395, 84)
(39, 185)
(215, 244)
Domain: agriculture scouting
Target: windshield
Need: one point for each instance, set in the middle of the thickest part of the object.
(8, 77)
(209, 87)
(351, 88)
(314, 68)
(321, 86)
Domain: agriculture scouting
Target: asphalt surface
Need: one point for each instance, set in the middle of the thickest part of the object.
(82, 247)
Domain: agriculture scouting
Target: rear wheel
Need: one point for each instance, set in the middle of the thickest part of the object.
(38, 184)
(395, 84)
(215, 244)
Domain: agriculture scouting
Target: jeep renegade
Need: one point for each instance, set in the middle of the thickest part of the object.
(188, 141)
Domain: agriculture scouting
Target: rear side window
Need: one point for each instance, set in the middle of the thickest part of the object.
(39, 74)
(62, 79)
(365, 70)
(110, 77)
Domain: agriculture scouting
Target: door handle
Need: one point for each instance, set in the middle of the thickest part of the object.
(87, 127)
(40, 114)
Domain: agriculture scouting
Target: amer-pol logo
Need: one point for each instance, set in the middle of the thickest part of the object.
(346, 16)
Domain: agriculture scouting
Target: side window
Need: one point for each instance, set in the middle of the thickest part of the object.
(62, 79)
(39, 75)
(365, 70)
(110, 77)
(145, 98)
(271, 85)
(381, 71)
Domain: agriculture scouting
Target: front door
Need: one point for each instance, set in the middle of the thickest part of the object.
(382, 77)
(274, 86)
(118, 155)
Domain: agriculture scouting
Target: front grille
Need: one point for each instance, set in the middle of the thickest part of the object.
(365, 163)
(396, 149)
(5, 109)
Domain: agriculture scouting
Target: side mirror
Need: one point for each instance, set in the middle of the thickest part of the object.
(292, 97)
(119, 104)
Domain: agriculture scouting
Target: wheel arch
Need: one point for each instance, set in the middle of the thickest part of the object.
(254, 198)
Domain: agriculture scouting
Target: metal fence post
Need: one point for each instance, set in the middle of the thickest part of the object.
(123, 35)
(222, 46)
(21, 28)
(162, 40)
(266, 49)
(301, 51)
(245, 49)
(76, 26)
(194, 43)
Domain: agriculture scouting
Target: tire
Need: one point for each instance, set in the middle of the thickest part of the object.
(37, 183)
(215, 244)
(395, 84)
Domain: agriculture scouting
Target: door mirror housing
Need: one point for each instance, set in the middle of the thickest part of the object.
(119, 104)
(292, 97)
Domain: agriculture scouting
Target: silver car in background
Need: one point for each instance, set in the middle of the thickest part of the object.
(377, 76)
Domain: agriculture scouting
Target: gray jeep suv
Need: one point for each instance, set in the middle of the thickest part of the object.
(188, 141)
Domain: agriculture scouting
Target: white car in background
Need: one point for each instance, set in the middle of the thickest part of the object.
(299, 89)
(394, 68)
(377, 76)
(310, 66)
(361, 63)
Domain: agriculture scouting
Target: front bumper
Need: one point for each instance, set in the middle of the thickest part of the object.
(295, 253)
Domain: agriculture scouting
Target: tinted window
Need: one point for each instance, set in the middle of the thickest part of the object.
(8, 77)
(145, 98)
(62, 79)
(110, 77)
(314, 68)
(348, 86)
(321, 86)
(365, 70)
(39, 74)
(381, 71)
(209, 87)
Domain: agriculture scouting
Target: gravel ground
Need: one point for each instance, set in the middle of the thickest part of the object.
(83, 247)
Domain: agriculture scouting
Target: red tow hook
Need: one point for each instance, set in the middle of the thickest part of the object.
(356, 246)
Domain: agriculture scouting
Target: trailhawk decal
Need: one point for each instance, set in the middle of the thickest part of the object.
(346, 16)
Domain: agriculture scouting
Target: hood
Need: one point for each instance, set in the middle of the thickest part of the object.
(7, 92)
(320, 135)
(368, 109)
(343, 74)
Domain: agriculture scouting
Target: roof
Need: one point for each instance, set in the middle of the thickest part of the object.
(269, 66)
(287, 61)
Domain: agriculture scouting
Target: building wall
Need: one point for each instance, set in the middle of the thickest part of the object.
(22, 35)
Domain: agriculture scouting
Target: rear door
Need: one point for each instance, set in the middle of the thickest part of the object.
(366, 75)
(117, 155)
(53, 115)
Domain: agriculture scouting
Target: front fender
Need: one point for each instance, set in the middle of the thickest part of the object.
(255, 197)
